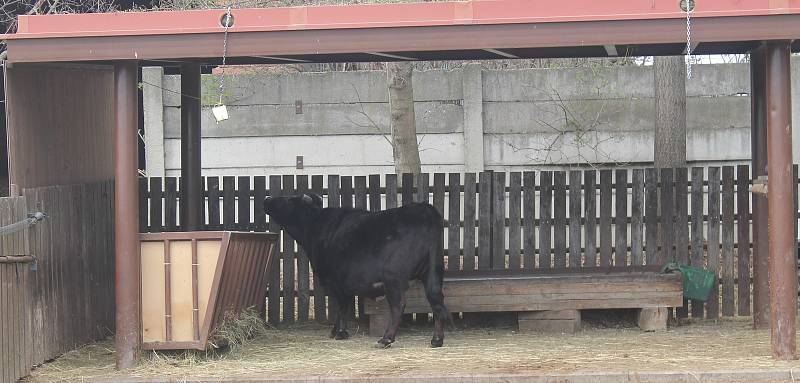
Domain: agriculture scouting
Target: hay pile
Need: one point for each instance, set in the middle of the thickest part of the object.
(306, 350)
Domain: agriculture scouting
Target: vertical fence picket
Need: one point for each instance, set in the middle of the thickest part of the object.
(454, 222)
(712, 304)
(637, 217)
(470, 194)
(545, 220)
(529, 215)
(514, 220)
(621, 219)
(743, 238)
(728, 297)
(696, 258)
(605, 218)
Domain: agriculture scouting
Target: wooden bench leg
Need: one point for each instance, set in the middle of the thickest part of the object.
(377, 324)
(652, 318)
(561, 321)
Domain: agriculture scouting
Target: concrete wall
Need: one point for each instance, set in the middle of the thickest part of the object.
(468, 119)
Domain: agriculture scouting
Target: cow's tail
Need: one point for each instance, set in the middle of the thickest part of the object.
(435, 278)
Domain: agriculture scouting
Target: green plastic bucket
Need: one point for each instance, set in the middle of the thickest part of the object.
(697, 283)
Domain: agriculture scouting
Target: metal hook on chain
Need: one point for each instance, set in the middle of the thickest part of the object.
(688, 7)
(220, 111)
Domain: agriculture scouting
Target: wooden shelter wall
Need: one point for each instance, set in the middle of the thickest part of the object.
(60, 123)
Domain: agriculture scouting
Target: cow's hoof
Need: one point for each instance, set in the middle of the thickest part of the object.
(437, 342)
(333, 333)
(341, 335)
(384, 343)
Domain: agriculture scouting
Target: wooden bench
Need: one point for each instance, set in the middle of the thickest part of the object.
(547, 302)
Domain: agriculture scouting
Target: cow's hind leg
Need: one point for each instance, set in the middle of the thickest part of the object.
(433, 291)
(339, 330)
(397, 302)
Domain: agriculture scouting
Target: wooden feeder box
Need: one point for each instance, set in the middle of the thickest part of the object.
(190, 280)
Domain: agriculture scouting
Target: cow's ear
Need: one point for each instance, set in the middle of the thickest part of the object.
(312, 199)
(307, 199)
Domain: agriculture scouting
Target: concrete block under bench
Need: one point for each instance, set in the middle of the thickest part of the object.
(547, 302)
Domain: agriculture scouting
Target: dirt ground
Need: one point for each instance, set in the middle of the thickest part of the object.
(604, 345)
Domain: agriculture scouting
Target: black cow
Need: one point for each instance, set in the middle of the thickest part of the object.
(355, 252)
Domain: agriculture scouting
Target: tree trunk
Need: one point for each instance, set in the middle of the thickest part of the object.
(401, 107)
(670, 95)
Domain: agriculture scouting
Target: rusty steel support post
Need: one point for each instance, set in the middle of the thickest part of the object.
(191, 174)
(126, 218)
(782, 246)
(758, 149)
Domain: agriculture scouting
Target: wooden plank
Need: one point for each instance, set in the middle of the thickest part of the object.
(303, 268)
(698, 240)
(391, 191)
(360, 202)
(212, 185)
(259, 194)
(438, 203)
(454, 222)
(156, 195)
(320, 304)
(171, 203)
(590, 212)
(529, 215)
(144, 202)
(545, 219)
(605, 218)
(651, 215)
(274, 292)
(498, 218)
(288, 260)
(375, 192)
(637, 217)
(728, 232)
(422, 181)
(470, 194)
(621, 219)
(559, 219)
(407, 188)
(485, 221)
(667, 239)
(514, 220)
(743, 238)
(682, 228)
(712, 304)
(243, 222)
(229, 203)
(575, 216)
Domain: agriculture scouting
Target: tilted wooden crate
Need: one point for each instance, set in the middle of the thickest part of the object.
(190, 280)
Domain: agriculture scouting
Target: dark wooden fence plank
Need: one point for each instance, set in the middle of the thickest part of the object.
(590, 212)
(743, 238)
(243, 204)
(667, 240)
(529, 215)
(422, 182)
(682, 228)
(560, 219)
(621, 219)
(470, 194)
(407, 188)
(360, 202)
(575, 188)
(303, 268)
(288, 258)
(728, 232)
(259, 193)
(144, 211)
(514, 220)
(229, 202)
(651, 216)
(439, 192)
(375, 192)
(346, 192)
(156, 223)
(698, 240)
(605, 218)
(485, 221)
(545, 219)
(712, 304)
(274, 292)
(320, 304)
(212, 186)
(637, 217)
(171, 203)
(454, 222)
(391, 191)
(498, 221)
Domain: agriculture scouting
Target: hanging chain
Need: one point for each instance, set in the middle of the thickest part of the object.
(689, 9)
(224, 53)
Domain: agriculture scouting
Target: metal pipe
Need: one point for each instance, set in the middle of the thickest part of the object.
(126, 217)
(758, 148)
(192, 184)
(782, 246)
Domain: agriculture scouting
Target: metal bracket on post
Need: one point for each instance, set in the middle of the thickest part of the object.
(760, 186)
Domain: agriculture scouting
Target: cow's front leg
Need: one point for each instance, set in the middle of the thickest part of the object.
(339, 330)
(397, 303)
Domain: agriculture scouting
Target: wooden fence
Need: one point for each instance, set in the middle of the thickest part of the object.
(535, 221)
(65, 297)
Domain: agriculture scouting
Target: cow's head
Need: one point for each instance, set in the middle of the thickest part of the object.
(294, 213)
